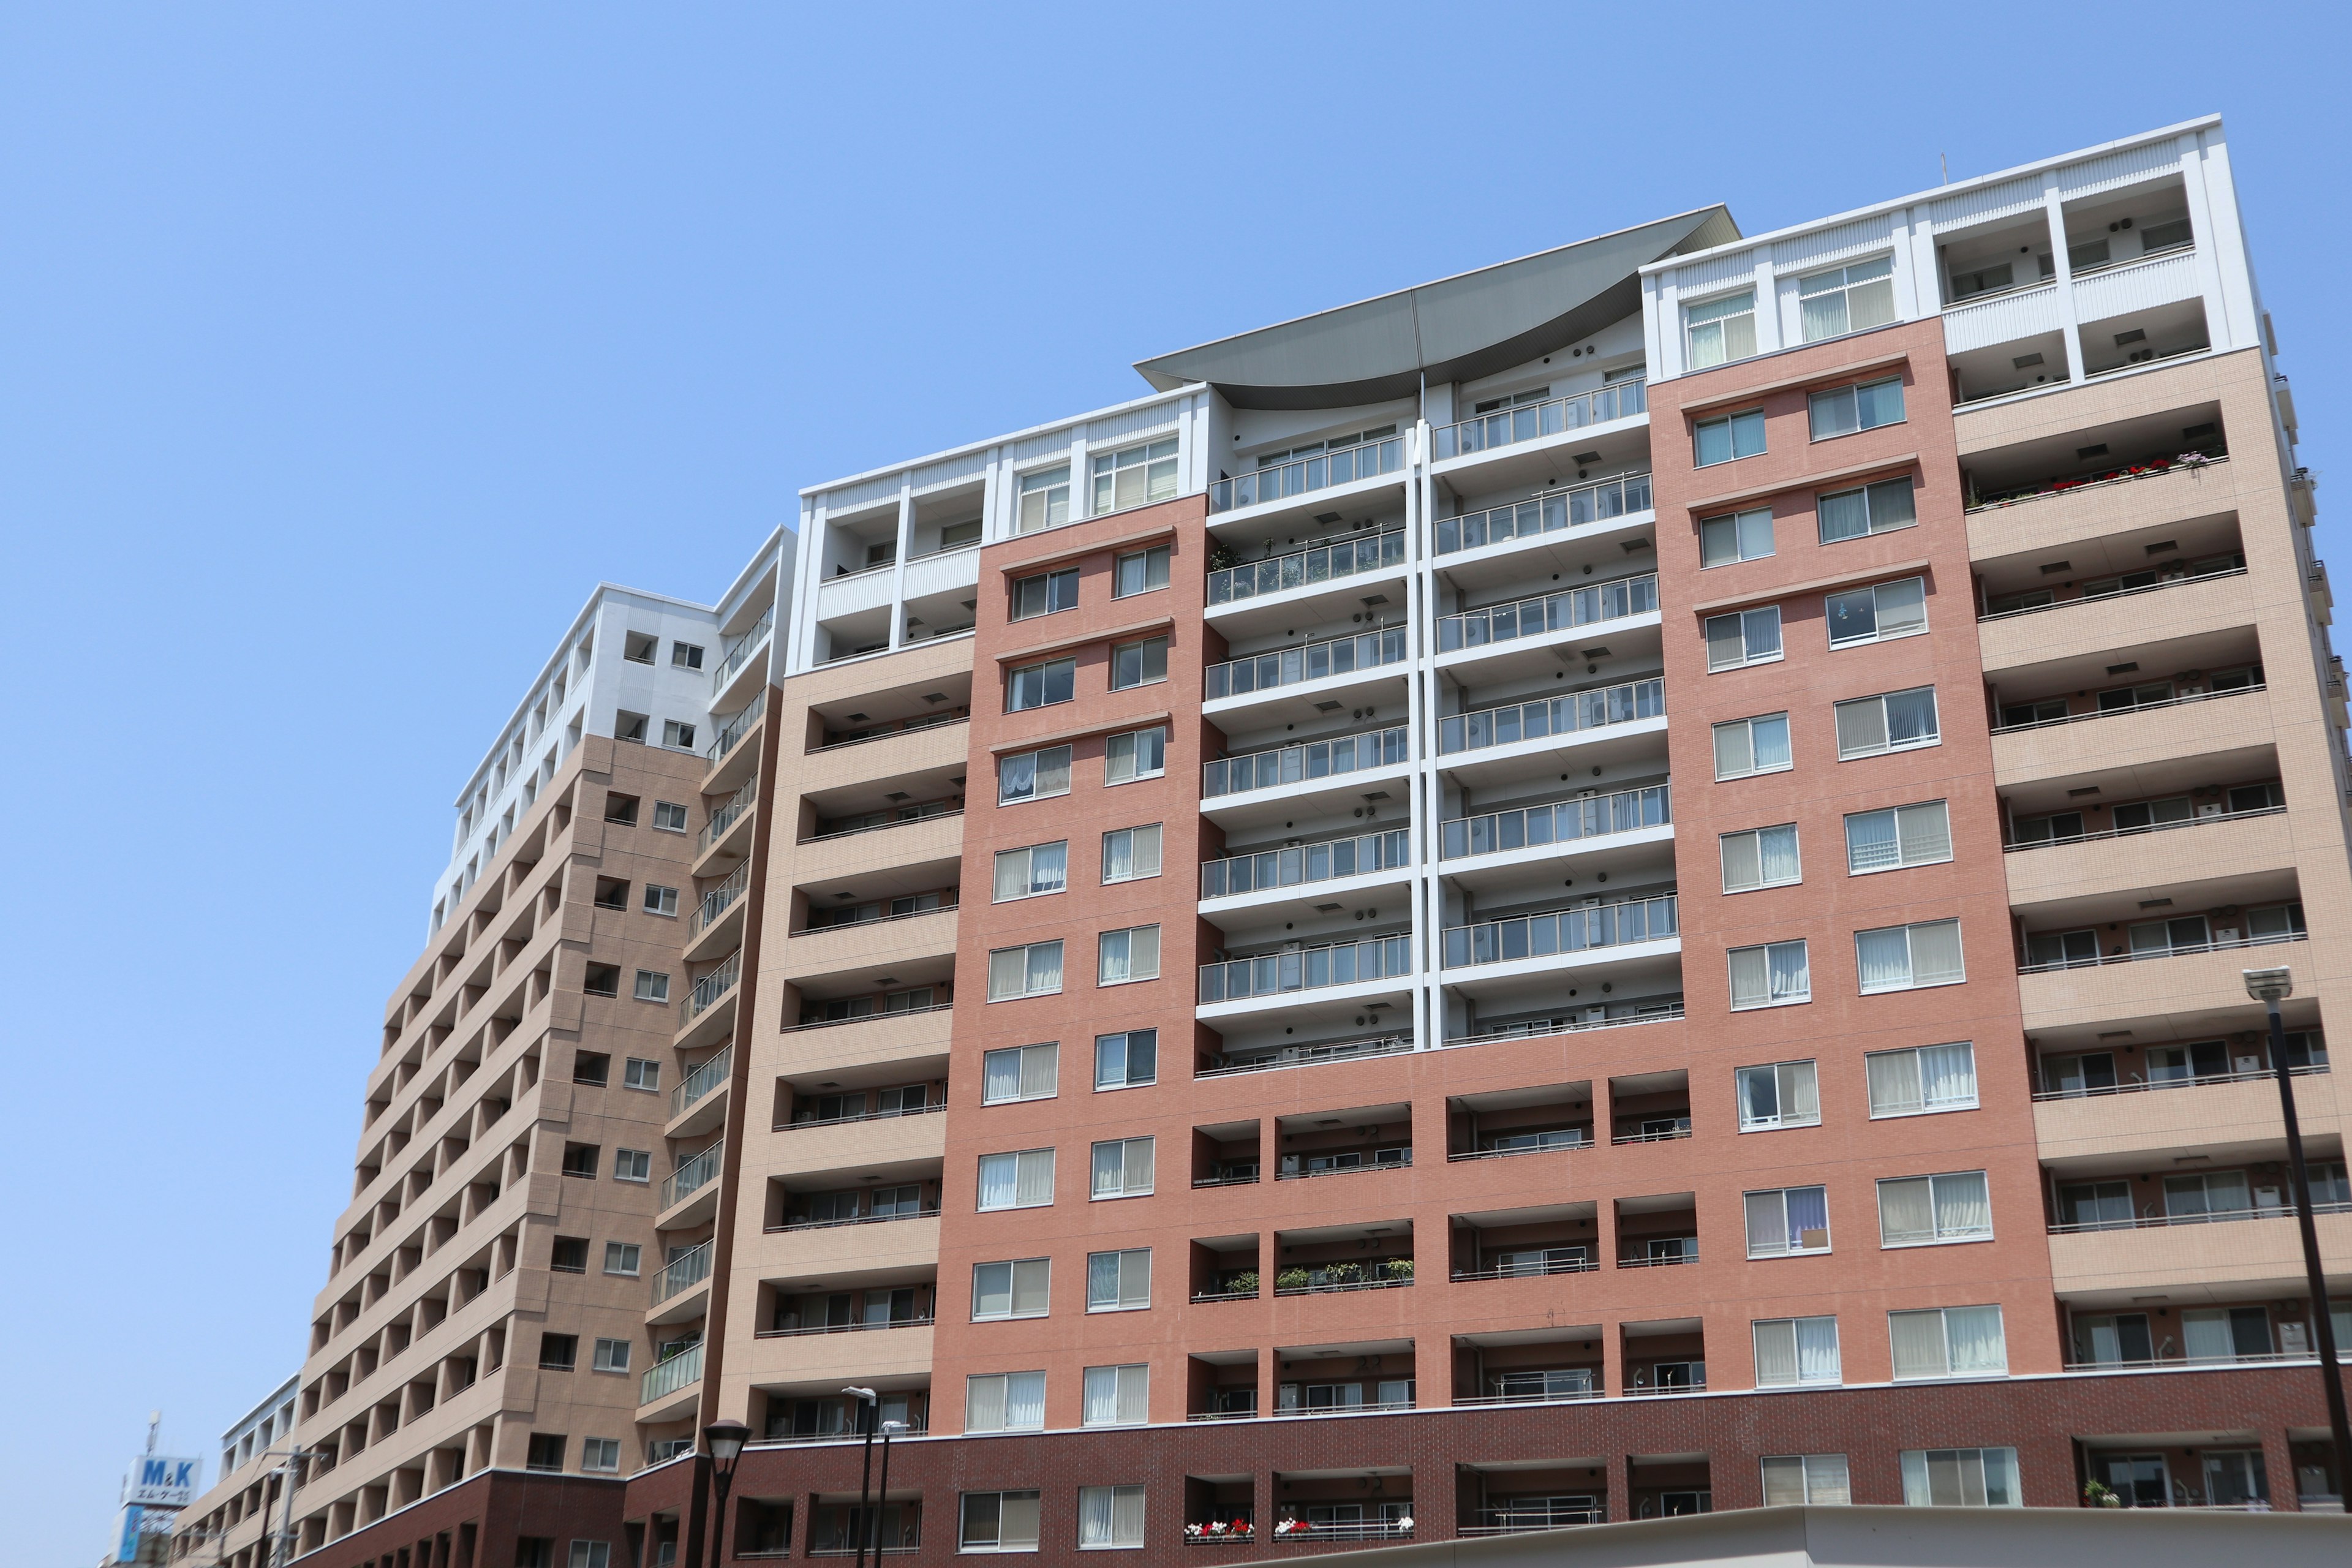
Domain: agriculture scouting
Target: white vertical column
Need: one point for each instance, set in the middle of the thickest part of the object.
(1769, 335)
(811, 579)
(899, 560)
(2222, 275)
(2053, 214)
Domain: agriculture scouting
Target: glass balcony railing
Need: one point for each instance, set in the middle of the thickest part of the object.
(1268, 1058)
(738, 725)
(1296, 765)
(1320, 472)
(667, 1377)
(1559, 931)
(1311, 661)
(709, 989)
(1307, 969)
(1546, 513)
(1295, 864)
(693, 1174)
(718, 901)
(741, 649)
(728, 813)
(698, 1083)
(1562, 822)
(1579, 710)
(687, 1269)
(1588, 605)
(1533, 421)
(1322, 564)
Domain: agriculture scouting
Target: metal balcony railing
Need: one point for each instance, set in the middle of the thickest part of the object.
(709, 1075)
(2134, 708)
(1533, 421)
(1296, 864)
(1309, 661)
(693, 1174)
(718, 901)
(2143, 955)
(1563, 611)
(1296, 765)
(1338, 559)
(1307, 969)
(2198, 821)
(741, 649)
(1566, 715)
(737, 726)
(687, 1269)
(725, 815)
(1320, 472)
(1561, 931)
(667, 1377)
(1535, 1028)
(710, 988)
(1549, 512)
(1562, 822)
(1280, 1056)
(2198, 1080)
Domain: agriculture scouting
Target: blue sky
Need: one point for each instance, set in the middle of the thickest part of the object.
(346, 347)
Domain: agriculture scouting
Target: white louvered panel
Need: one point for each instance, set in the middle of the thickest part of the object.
(1829, 246)
(2117, 169)
(2001, 320)
(1157, 417)
(1052, 444)
(2004, 200)
(2159, 282)
(1715, 272)
(864, 492)
(968, 464)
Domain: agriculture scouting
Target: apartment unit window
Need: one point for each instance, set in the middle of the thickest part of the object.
(1017, 1288)
(1032, 971)
(1138, 755)
(601, 980)
(678, 737)
(1747, 637)
(611, 893)
(1022, 1181)
(1005, 1401)
(686, 656)
(1897, 837)
(1134, 476)
(1921, 1211)
(590, 1068)
(1026, 873)
(569, 1254)
(1850, 408)
(1128, 1060)
(1732, 436)
(1788, 1220)
(652, 986)
(1961, 1478)
(1122, 1168)
(1849, 298)
(638, 1073)
(581, 1159)
(1139, 573)
(638, 647)
(1142, 663)
(1759, 745)
(1119, 1281)
(612, 1355)
(670, 817)
(1032, 775)
(1878, 614)
(590, 1553)
(621, 1257)
(545, 1452)
(1110, 1517)
(1045, 593)
(1720, 330)
(1819, 1479)
(1915, 1082)
(1785, 1094)
(621, 809)
(1044, 499)
(1890, 721)
(558, 1353)
(999, 1521)
(1129, 954)
(633, 1165)
(1040, 685)
(1019, 1072)
(959, 535)
(1736, 536)
(1760, 857)
(1881, 508)
(1948, 1341)
(1115, 1396)
(660, 900)
(1130, 854)
(1794, 1351)
(1772, 974)
(1908, 957)
(599, 1454)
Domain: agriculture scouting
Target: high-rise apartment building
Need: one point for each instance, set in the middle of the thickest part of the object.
(1608, 888)
(224, 1527)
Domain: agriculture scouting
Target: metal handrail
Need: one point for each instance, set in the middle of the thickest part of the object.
(689, 1268)
(2105, 832)
(1514, 722)
(1538, 1029)
(707, 1075)
(2198, 1080)
(1669, 1260)
(1590, 1392)
(924, 1321)
(1311, 1056)
(2063, 487)
(1306, 474)
(1533, 421)
(1586, 1265)
(1520, 1521)
(1299, 763)
(711, 987)
(1389, 1282)
(1297, 865)
(736, 725)
(1682, 1131)
(930, 1210)
(1547, 512)
(669, 1376)
(1303, 1175)
(2118, 593)
(733, 658)
(2135, 708)
(1562, 822)
(1558, 931)
(932, 1109)
(2212, 1216)
(865, 1018)
(1565, 611)
(1309, 661)
(718, 901)
(695, 1173)
(724, 817)
(880, 826)
(1307, 968)
(891, 734)
(877, 920)
(2104, 959)
(1335, 559)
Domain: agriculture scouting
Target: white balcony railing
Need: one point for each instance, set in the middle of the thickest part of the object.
(1550, 613)
(1297, 865)
(1562, 822)
(1307, 969)
(737, 726)
(698, 1083)
(1308, 474)
(741, 649)
(1533, 421)
(687, 1269)
(1552, 716)
(1318, 563)
(1296, 764)
(727, 814)
(1309, 661)
(708, 990)
(718, 901)
(667, 1377)
(1559, 931)
(1547, 512)
(693, 1174)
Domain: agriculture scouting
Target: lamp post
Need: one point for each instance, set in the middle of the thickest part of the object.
(883, 1500)
(865, 1473)
(2270, 987)
(724, 1440)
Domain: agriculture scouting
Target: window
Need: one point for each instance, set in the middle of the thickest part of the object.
(1747, 637)
(621, 1257)
(545, 1453)
(1125, 956)
(1040, 685)
(1881, 508)
(1746, 746)
(1794, 1351)
(1005, 1401)
(1732, 436)
(638, 1073)
(1120, 1281)
(1134, 476)
(1877, 614)
(558, 1353)
(1772, 975)
(660, 900)
(1139, 573)
(611, 893)
(1019, 1072)
(1851, 408)
(569, 1254)
(1906, 958)
(600, 1454)
(1017, 1288)
(1960, 1478)
(1045, 593)
(638, 647)
(632, 1165)
(1788, 1220)
(1138, 755)
(1736, 536)
(1022, 1181)
(1044, 499)
(1026, 873)
(1138, 663)
(1920, 1211)
(670, 817)
(1785, 1094)
(1720, 330)
(1948, 1341)
(1891, 722)
(1805, 1478)
(1032, 971)
(580, 1160)
(1128, 1060)
(1760, 857)
(1932, 1078)
(1130, 854)
(588, 1553)
(652, 986)
(676, 736)
(1122, 1168)
(999, 1521)
(601, 980)
(621, 809)
(1849, 298)
(592, 1068)
(1110, 1517)
(612, 1355)
(1032, 775)
(1897, 837)
(1116, 1395)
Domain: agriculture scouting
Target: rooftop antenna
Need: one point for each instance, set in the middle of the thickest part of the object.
(154, 1420)
(1946, 163)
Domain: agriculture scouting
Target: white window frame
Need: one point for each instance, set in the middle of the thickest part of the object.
(610, 1355)
(1024, 1277)
(1955, 1236)
(1139, 955)
(1027, 1074)
(1896, 591)
(677, 735)
(1842, 282)
(1023, 863)
(1911, 967)
(670, 817)
(629, 1253)
(1126, 1039)
(1032, 1509)
(1748, 725)
(1129, 1396)
(1919, 1073)
(1753, 629)
(1900, 818)
(1157, 559)
(1743, 531)
(1120, 769)
(1137, 837)
(1731, 345)
(659, 901)
(590, 1554)
(1792, 999)
(1051, 511)
(1735, 424)
(1817, 1480)
(1048, 674)
(1853, 401)
(1156, 460)
(1120, 1509)
(1871, 503)
(1150, 656)
(651, 986)
(1130, 1278)
(1943, 1316)
(632, 1164)
(1026, 1163)
(1051, 578)
(1750, 842)
(1918, 1476)
(639, 1074)
(998, 994)
(1786, 1079)
(1136, 1174)
(600, 1456)
(1777, 1200)
(1041, 766)
(1920, 742)
(1757, 1331)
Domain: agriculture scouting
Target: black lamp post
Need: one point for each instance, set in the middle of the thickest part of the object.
(883, 1500)
(865, 1473)
(2270, 987)
(725, 1441)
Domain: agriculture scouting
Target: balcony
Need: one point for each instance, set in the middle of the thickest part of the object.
(694, 1106)
(2230, 1116)
(1553, 511)
(696, 1176)
(884, 944)
(1534, 421)
(1319, 668)
(731, 733)
(696, 1018)
(1323, 1279)
(664, 1380)
(1273, 974)
(1538, 1029)
(2090, 745)
(739, 653)
(2197, 993)
(2254, 1253)
(713, 914)
(719, 835)
(2195, 849)
(1552, 827)
(2093, 479)
(1347, 465)
(1561, 933)
(1308, 764)
(1585, 715)
(2071, 642)
(1539, 1513)
(1549, 615)
(1373, 554)
(1302, 864)
(682, 1273)
(1275, 1058)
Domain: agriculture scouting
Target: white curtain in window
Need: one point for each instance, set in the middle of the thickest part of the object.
(1792, 978)
(983, 1403)
(1936, 953)
(1801, 1098)
(1008, 970)
(1918, 1340)
(1031, 1277)
(1808, 1212)
(1843, 515)
(1040, 1069)
(1902, 607)
(1825, 1479)
(1817, 1349)
(2207, 1336)
(1911, 716)
(1948, 1074)
(1115, 1395)
(1776, 1354)
(1885, 957)
(1034, 1184)
(1750, 982)
(1017, 1521)
(1962, 1205)
(1002, 1076)
(1926, 831)
(1095, 1517)
(1102, 1281)
(1907, 1212)
(1012, 874)
(1767, 1223)
(1871, 841)
(1777, 849)
(1044, 967)
(1134, 1384)
(1976, 1339)
(1894, 1080)
(1126, 1515)
(1861, 727)
(999, 1180)
(1784, 1480)
(1025, 1401)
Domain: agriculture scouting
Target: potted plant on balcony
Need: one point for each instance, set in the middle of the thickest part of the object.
(2098, 1494)
(1344, 1274)
(1243, 1284)
(1291, 1280)
(1290, 1527)
(1398, 1268)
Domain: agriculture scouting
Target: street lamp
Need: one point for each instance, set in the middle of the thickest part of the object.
(724, 1440)
(865, 1474)
(2271, 987)
(883, 1501)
